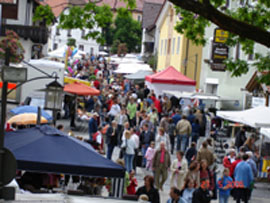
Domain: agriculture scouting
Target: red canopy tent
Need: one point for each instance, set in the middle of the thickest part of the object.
(81, 89)
(169, 80)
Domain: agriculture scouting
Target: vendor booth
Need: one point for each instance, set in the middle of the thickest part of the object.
(169, 80)
(257, 117)
(61, 51)
(139, 76)
(44, 149)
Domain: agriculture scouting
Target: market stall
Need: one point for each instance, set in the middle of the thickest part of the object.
(169, 80)
(46, 150)
(257, 117)
(139, 76)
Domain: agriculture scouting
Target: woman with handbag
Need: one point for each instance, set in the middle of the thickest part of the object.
(128, 147)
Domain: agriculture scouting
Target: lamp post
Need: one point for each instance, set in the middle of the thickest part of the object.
(53, 101)
(7, 160)
(53, 98)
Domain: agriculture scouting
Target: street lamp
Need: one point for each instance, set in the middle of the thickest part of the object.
(53, 98)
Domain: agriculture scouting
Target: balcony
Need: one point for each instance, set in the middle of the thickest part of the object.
(34, 33)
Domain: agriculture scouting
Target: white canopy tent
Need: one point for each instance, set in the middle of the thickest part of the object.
(60, 53)
(192, 95)
(129, 68)
(257, 117)
(128, 58)
(265, 132)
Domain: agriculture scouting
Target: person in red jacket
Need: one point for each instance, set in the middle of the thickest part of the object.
(228, 160)
(158, 106)
(131, 189)
(238, 159)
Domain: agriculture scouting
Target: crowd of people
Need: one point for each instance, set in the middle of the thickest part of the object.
(149, 128)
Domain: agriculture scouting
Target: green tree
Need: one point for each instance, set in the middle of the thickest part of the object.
(247, 24)
(44, 14)
(90, 16)
(71, 42)
(127, 30)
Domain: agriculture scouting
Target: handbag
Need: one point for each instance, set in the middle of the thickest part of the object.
(123, 149)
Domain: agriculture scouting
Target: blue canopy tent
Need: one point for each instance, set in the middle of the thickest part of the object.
(46, 149)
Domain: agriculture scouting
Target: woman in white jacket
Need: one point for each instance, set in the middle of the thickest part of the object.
(162, 137)
(130, 146)
(179, 168)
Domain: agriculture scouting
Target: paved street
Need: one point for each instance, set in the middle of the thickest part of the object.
(261, 194)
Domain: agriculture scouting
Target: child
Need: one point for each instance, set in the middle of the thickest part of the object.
(225, 185)
(149, 155)
(131, 189)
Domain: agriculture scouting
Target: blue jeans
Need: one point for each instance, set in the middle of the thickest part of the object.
(178, 143)
(184, 142)
(129, 161)
(144, 149)
(223, 199)
(194, 137)
(110, 151)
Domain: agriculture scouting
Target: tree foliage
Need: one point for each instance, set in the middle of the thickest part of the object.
(127, 30)
(90, 16)
(44, 14)
(247, 23)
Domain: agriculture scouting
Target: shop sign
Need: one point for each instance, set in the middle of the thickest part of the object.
(257, 101)
(220, 36)
(220, 51)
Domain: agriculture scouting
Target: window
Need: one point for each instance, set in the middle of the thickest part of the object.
(139, 18)
(178, 45)
(251, 57)
(237, 51)
(55, 46)
(69, 33)
(57, 31)
(27, 13)
(173, 45)
(83, 34)
(91, 50)
(169, 47)
(227, 3)
(165, 48)
(161, 47)
(81, 47)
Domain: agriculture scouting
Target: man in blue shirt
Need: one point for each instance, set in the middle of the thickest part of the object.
(177, 116)
(243, 180)
(93, 126)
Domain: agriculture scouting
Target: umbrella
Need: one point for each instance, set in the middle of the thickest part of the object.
(30, 109)
(81, 89)
(26, 119)
(46, 149)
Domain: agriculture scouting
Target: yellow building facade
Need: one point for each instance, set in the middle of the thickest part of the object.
(174, 49)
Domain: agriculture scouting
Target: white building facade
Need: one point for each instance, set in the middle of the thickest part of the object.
(221, 83)
(32, 37)
(59, 38)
